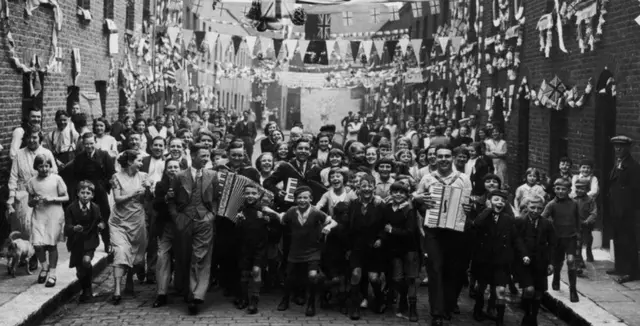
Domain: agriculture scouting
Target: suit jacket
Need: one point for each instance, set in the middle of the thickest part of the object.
(160, 204)
(288, 170)
(246, 132)
(81, 170)
(497, 243)
(88, 238)
(183, 186)
(624, 187)
(266, 145)
(146, 161)
(540, 242)
(483, 166)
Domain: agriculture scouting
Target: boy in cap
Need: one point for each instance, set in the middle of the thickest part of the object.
(564, 213)
(497, 242)
(588, 211)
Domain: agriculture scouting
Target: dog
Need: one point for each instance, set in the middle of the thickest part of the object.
(18, 251)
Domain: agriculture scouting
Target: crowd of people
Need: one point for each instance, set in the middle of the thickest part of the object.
(348, 217)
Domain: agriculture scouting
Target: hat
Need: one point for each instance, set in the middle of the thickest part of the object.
(582, 182)
(621, 139)
(499, 193)
(170, 107)
(562, 182)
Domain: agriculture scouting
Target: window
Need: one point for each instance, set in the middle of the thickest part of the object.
(130, 18)
(108, 9)
(84, 4)
(146, 12)
(347, 18)
(416, 34)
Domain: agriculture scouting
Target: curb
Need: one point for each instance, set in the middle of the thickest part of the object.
(563, 311)
(64, 294)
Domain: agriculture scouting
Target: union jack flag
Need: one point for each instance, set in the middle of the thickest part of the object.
(324, 27)
(347, 18)
(416, 9)
(375, 15)
(170, 76)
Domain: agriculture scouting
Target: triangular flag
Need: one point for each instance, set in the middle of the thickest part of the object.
(416, 44)
(355, 48)
(366, 47)
(187, 35)
(172, 33)
(224, 40)
(251, 42)
(291, 48)
(456, 43)
(302, 48)
(211, 38)
(404, 42)
(379, 47)
(199, 38)
(277, 44)
(330, 44)
(443, 41)
(265, 44)
(343, 45)
(237, 40)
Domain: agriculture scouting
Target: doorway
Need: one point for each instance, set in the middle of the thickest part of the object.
(558, 138)
(523, 136)
(604, 129)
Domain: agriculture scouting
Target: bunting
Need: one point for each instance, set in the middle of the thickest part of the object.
(302, 47)
(251, 42)
(379, 44)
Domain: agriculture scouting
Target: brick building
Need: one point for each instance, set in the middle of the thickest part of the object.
(33, 35)
(539, 137)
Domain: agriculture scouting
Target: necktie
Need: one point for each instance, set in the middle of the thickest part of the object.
(85, 208)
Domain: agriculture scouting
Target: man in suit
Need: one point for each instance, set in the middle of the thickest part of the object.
(94, 165)
(246, 130)
(153, 165)
(192, 210)
(624, 207)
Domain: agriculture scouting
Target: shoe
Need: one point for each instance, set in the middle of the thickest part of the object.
(86, 296)
(555, 284)
(252, 309)
(116, 299)
(284, 303)
(437, 321)
(311, 306)
(193, 308)
(625, 279)
(573, 295)
(413, 309)
(613, 272)
(51, 282)
(355, 312)
(42, 277)
(161, 300)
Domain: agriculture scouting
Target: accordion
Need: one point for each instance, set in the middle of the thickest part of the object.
(448, 212)
(317, 189)
(231, 197)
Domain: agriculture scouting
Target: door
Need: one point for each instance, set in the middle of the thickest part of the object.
(523, 136)
(558, 138)
(605, 128)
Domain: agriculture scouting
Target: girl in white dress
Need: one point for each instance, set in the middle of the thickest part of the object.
(531, 187)
(497, 151)
(47, 192)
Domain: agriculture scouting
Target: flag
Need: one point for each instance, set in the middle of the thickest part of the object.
(416, 9)
(434, 6)
(374, 14)
(347, 18)
(395, 14)
(170, 76)
(324, 27)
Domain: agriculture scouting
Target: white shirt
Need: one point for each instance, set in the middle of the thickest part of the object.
(62, 141)
(470, 167)
(156, 168)
(154, 132)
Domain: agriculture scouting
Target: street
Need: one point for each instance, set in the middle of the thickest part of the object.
(218, 310)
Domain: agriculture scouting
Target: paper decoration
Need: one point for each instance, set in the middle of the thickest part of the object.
(330, 44)
(379, 44)
(302, 47)
(251, 42)
(291, 48)
(187, 36)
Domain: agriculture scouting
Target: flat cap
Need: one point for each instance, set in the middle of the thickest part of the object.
(499, 193)
(170, 107)
(621, 139)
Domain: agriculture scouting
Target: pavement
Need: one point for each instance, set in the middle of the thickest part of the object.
(217, 310)
(602, 300)
(25, 302)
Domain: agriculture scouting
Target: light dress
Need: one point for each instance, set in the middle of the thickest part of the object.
(47, 219)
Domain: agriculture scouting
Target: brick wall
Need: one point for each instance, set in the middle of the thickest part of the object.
(32, 35)
(618, 50)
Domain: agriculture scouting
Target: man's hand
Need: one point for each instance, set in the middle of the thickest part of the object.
(388, 228)
(377, 244)
(550, 270)
(526, 260)
(101, 226)
(282, 193)
(326, 230)
(78, 228)
(466, 208)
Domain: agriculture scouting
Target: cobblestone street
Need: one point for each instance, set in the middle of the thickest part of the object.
(219, 311)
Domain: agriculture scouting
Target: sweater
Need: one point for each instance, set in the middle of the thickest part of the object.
(564, 215)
